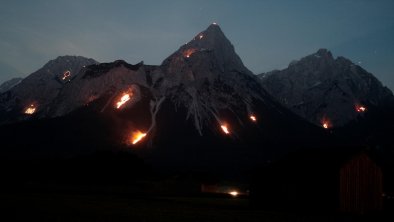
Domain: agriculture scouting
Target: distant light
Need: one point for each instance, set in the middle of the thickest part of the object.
(233, 193)
(201, 36)
(325, 123)
(125, 97)
(187, 53)
(214, 23)
(253, 118)
(137, 136)
(66, 75)
(361, 109)
(225, 129)
(30, 110)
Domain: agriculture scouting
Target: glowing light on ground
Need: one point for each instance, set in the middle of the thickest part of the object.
(137, 136)
(326, 124)
(233, 193)
(30, 110)
(214, 23)
(201, 36)
(125, 97)
(66, 75)
(253, 118)
(225, 129)
(187, 53)
(360, 108)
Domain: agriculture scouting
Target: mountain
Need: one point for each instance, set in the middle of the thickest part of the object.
(200, 110)
(206, 76)
(7, 85)
(327, 90)
(40, 88)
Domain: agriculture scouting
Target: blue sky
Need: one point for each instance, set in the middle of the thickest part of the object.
(267, 34)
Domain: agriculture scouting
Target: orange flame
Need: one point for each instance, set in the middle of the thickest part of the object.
(233, 193)
(30, 110)
(189, 52)
(361, 108)
(225, 129)
(137, 136)
(66, 74)
(326, 124)
(253, 118)
(125, 97)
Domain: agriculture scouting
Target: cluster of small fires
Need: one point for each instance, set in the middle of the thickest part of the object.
(137, 136)
(30, 110)
(226, 128)
(326, 123)
(188, 52)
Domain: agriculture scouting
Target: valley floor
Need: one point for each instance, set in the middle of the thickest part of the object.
(81, 207)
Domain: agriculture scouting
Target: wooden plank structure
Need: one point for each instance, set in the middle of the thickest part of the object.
(361, 185)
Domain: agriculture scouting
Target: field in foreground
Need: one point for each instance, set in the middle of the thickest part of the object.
(78, 207)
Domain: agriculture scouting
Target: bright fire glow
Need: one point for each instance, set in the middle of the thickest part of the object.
(189, 52)
(326, 124)
(137, 136)
(66, 74)
(30, 110)
(253, 118)
(125, 97)
(360, 109)
(225, 129)
(233, 193)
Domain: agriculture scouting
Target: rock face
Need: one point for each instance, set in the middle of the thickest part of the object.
(321, 89)
(96, 81)
(206, 76)
(7, 85)
(40, 88)
(200, 109)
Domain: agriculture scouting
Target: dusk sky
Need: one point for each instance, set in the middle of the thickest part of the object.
(267, 35)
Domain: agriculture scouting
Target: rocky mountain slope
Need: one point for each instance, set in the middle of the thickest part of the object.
(327, 90)
(200, 109)
(7, 85)
(40, 88)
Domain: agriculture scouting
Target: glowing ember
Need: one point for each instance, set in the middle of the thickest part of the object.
(225, 129)
(137, 136)
(326, 124)
(189, 52)
(253, 118)
(233, 193)
(30, 110)
(361, 109)
(66, 75)
(125, 97)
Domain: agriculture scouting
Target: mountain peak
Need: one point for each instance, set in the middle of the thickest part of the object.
(210, 47)
(324, 53)
(214, 28)
(319, 87)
